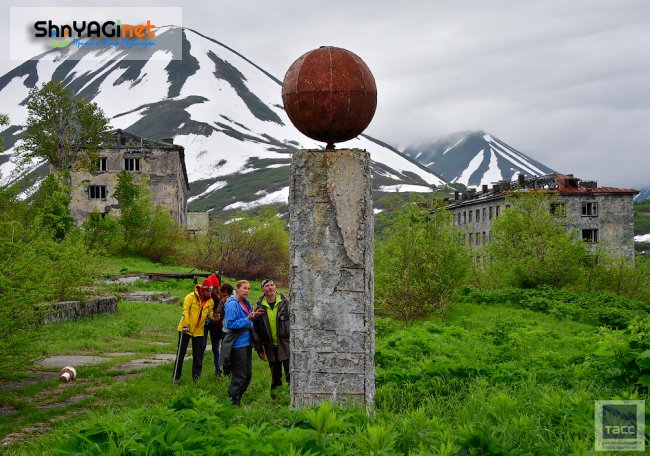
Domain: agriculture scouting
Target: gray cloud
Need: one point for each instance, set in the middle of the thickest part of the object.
(567, 82)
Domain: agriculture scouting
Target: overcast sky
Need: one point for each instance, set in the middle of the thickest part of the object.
(565, 81)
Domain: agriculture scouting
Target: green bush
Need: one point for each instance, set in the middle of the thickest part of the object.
(103, 234)
(530, 248)
(624, 354)
(420, 265)
(35, 266)
(248, 246)
(598, 307)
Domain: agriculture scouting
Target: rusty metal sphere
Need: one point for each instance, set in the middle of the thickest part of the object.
(330, 95)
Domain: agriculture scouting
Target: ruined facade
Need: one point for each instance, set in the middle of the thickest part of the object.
(161, 162)
(602, 216)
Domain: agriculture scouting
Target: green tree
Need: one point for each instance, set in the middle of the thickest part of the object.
(148, 228)
(61, 129)
(34, 267)
(420, 265)
(4, 121)
(530, 247)
(50, 205)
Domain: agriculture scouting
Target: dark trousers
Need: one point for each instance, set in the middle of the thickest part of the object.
(197, 355)
(276, 370)
(241, 372)
(215, 338)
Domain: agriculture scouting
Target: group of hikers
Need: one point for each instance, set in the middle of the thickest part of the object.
(239, 328)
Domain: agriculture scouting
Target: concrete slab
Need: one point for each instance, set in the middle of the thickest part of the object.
(7, 410)
(120, 354)
(72, 400)
(146, 363)
(61, 361)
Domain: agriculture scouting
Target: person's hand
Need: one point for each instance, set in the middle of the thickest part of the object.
(261, 355)
(186, 329)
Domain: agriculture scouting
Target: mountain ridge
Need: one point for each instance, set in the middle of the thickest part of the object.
(220, 106)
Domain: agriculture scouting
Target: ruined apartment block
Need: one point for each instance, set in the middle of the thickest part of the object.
(161, 162)
(602, 216)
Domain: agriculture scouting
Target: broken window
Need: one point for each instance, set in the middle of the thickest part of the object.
(484, 219)
(464, 217)
(470, 216)
(558, 209)
(102, 165)
(490, 213)
(478, 238)
(589, 209)
(478, 215)
(132, 164)
(97, 192)
(484, 238)
(590, 235)
(496, 214)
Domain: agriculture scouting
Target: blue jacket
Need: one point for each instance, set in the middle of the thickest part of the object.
(237, 319)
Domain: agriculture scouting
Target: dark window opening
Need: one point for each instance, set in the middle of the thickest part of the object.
(589, 209)
(132, 164)
(103, 164)
(590, 235)
(97, 192)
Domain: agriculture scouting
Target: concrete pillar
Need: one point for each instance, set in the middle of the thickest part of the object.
(331, 285)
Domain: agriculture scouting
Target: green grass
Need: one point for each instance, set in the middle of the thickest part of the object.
(642, 217)
(487, 375)
(116, 265)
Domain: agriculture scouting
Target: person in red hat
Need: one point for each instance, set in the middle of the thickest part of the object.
(213, 326)
(197, 306)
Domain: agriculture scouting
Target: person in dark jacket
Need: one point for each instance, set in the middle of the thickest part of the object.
(272, 330)
(239, 321)
(213, 325)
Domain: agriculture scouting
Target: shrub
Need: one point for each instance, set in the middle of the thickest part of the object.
(50, 205)
(596, 307)
(148, 229)
(103, 234)
(530, 248)
(420, 265)
(624, 354)
(247, 246)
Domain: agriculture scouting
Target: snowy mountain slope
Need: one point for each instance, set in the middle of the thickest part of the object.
(224, 109)
(475, 158)
(643, 195)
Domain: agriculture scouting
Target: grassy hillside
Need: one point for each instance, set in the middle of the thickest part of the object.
(496, 375)
(642, 217)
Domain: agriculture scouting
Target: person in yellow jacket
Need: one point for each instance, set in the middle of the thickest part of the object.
(197, 306)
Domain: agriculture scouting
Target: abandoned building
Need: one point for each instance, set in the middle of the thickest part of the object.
(603, 216)
(162, 163)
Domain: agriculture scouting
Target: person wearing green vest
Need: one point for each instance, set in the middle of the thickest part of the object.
(272, 330)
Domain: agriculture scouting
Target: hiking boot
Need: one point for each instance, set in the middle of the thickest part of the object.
(236, 401)
(176, 381)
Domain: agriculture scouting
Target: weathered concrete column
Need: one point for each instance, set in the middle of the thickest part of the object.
(331, 285)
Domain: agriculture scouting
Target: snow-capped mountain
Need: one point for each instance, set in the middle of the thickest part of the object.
(223, 108)
(475, 158)
(643, 195)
